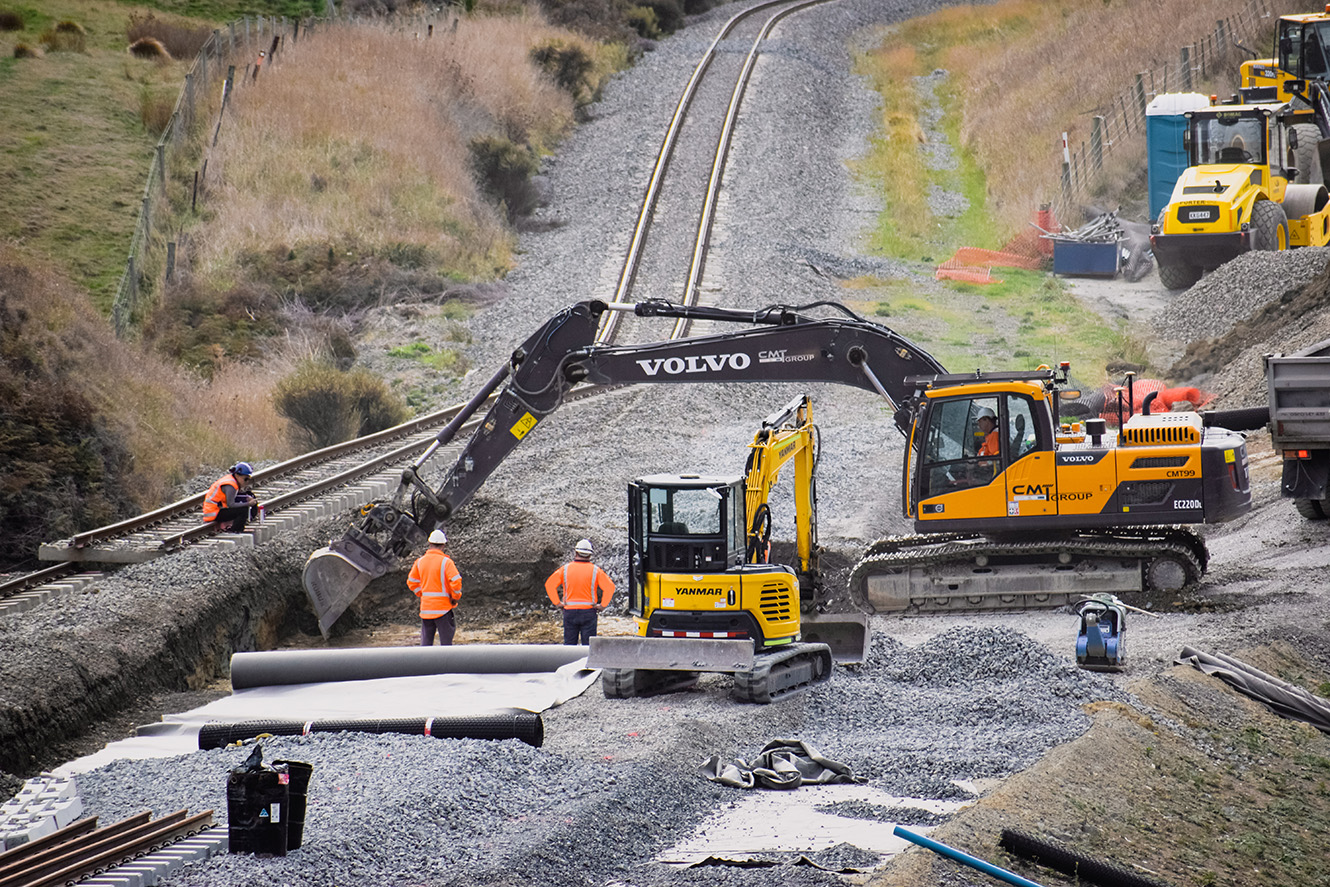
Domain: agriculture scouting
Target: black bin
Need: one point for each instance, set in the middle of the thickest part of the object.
(299, 774)
(257, 810)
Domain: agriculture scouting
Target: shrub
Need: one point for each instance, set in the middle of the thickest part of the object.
(61, 463)
(201, 328)
(504, 170)
(644, 22)
(66, 36)
(155, 109)
(180, 41)
(10, 20)
(669, 14)
(568, 66)
(150, 49)
(327, 406)
(24, 51)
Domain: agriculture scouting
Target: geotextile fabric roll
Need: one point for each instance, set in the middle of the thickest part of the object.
(280, 667)
(524, 725)
(1284, 699)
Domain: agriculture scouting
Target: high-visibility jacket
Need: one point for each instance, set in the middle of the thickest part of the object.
(435, 580)
(215, 501)
(575, 585)
(990, 445)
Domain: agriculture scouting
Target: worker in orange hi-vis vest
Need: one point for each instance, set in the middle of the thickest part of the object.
(581, 590)
(435, 580)
(229, 503)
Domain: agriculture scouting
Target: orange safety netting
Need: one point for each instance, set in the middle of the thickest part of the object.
(1162, 403)
(1026, 250)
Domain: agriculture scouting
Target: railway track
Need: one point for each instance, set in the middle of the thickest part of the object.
(347, 477)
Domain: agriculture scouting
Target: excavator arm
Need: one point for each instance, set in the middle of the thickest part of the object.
(784, 344)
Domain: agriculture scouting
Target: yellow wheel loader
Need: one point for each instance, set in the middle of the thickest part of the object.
(1240, 191)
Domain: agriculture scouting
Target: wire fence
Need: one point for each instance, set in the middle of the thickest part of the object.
(179, 165)
(1121, 128)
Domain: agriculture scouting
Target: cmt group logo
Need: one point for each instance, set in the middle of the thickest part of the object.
(781, 356)
(700, 363)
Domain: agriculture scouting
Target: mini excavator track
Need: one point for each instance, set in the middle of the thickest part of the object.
(959, 571)
(775, 675)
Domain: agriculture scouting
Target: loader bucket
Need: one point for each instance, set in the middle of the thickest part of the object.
(846, 634)
(332, 581)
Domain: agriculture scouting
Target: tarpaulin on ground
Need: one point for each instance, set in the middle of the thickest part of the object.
(781, 764)
(1282, 698)
(1104, 401)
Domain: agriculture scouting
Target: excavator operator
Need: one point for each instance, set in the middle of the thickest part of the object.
(986, 421)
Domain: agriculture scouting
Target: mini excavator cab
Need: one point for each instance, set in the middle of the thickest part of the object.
(688, 572)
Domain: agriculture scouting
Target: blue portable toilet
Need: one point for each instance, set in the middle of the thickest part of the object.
(1165, 157)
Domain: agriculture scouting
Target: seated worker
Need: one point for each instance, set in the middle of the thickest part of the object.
(987, 423)
(229, 502)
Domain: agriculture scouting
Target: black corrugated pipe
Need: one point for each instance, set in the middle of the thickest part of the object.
(515, 724)
(1248, 419)
(1070, 863)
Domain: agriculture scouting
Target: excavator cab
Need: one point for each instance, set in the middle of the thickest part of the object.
(687, 572)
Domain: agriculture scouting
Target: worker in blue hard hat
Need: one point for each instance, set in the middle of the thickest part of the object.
(229, 503)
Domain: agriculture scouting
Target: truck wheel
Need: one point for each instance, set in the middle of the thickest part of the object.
(1269, 227)
(1178, 277)
(1312, 509)
(1307, 155)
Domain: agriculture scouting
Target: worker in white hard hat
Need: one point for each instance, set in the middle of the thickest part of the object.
(435, 580)
(986, 421)
(581, 590)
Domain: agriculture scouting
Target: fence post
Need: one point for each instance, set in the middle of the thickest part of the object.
(161, 162)
(1220, 39)
(1140, 93)
(1184, 68)
(1097, 143)
(170, 260)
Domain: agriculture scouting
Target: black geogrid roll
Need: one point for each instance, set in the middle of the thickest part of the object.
(1071, 863)
(524, 725)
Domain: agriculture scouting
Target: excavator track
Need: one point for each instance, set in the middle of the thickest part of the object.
(631, 683)
(958, 571)
(783, 673)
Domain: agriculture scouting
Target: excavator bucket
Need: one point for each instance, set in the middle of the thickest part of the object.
(335, 576)
(846, 634)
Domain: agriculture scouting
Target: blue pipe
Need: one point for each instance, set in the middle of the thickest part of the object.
(973, 862)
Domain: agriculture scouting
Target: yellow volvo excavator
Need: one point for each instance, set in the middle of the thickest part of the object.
(1048, 509)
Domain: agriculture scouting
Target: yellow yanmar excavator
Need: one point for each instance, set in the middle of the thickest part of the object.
(703, 591)
(1045, 510)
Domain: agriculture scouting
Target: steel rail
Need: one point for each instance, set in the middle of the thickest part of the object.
(702, 241)
(609, 323)
(30, 580)
(95, 851)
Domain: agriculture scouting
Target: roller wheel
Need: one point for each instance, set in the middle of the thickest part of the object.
(1312, 509)
(1170, 572)
(1178, 277)
(1269, 227)
(1307, 155)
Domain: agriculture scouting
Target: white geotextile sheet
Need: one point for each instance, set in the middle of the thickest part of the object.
(418, 696)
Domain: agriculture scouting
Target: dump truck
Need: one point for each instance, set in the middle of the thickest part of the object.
(1299, 396)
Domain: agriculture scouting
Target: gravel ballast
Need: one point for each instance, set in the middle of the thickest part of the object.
(940, 700)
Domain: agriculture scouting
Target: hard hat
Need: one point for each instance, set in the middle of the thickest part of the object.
(242, 468)
(584, 548)
(437, 538)
(986, 413)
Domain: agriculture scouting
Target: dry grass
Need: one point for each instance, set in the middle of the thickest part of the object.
(360, 135)
(1014, 112)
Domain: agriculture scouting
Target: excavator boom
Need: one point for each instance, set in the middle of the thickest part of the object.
(784, 344)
